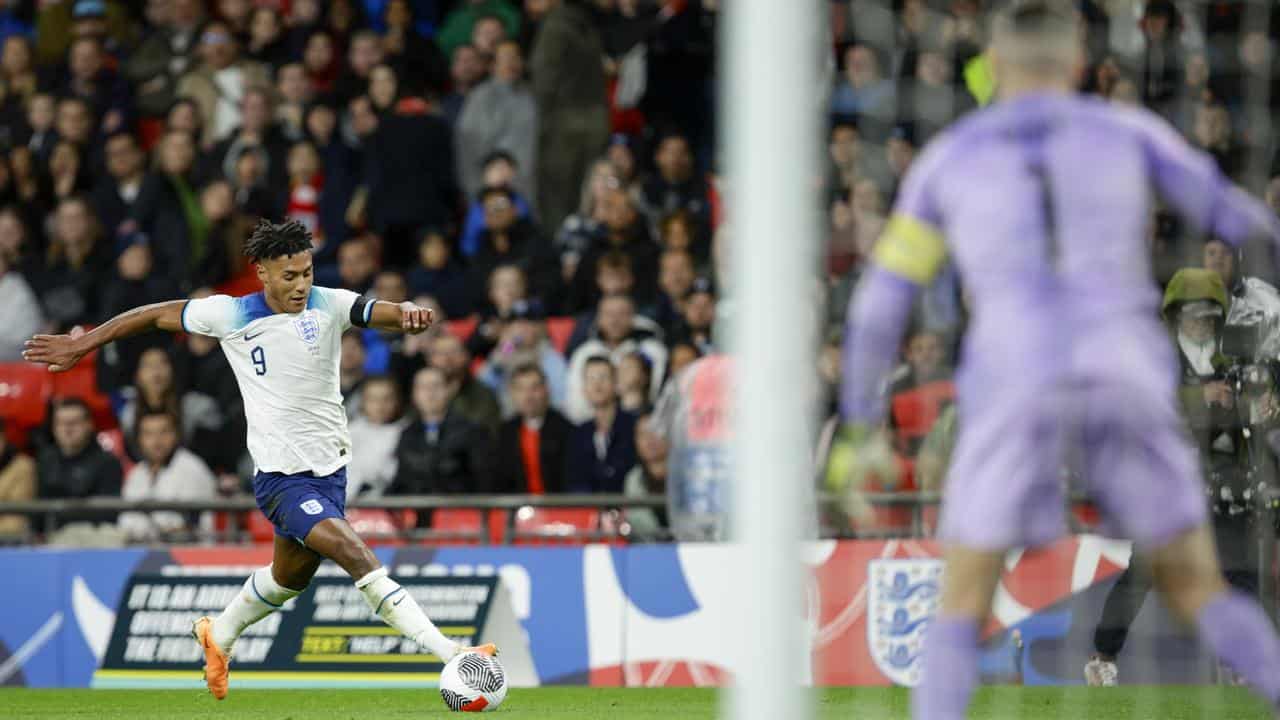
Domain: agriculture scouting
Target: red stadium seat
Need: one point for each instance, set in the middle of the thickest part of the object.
(556, 526)
(458, 526)
(377, 527)
(260, 528)
(462, 328)
(24, 390)
(81, 382)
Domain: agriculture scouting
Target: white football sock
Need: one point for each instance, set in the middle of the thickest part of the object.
(260, 596)
(397, 608)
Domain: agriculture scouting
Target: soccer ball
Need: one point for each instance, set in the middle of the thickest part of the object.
(472, 682)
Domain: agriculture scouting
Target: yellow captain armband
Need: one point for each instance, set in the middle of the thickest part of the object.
(911, 248)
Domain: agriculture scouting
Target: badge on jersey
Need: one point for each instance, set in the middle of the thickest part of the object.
(308, 327)
(312, 507)
(902, 599)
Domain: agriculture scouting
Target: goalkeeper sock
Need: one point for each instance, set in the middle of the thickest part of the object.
(397, 608)
(1238, 632)
(950, 670)
(260, 596)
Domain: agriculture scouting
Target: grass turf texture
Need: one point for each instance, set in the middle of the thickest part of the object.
(992, 703)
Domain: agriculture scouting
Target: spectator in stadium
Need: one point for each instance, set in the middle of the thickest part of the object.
(167, 471)
(1162, 59)
(675, 185)
(266, 43)
(682, 354)
(625, 232)
(930, 101)
(1252, 301)
(613, 277)
(1212, 134)
(510, 239)
(573, 111)
(619, 331)
(532, 445)
(413, 53)
(698, 314)
(676, 275)
(409, 177)
(184, 115)
(440, 452)
(257, 132)
(458, 27)
(1194, 91)
(351, 371)
(134, 284)
(18, 245)
(648, 477)
(487, 34)
(364, 53)
(438, 274)
(18, 72)
(375, 433)
(900, 152)
(919, 390)
(863, 94)
(219, 83)
(168, 207)
(384, 88)
(23, 314)
(114, 194)
(580, 229)
(306, 187)
(74, 122)
(41, 116)
(523, 341)
(634, 380)
(74, 466)
(88, 78)
(320, 60)
(157, 388)
(68, 172)
(499, 170)
(507, 286)
(466, 70)
(357, 264)
(499, 114)
(293, 96)
(211, 375)
(602, 448)
(678, 230)
(471, 399)
(78, 266)
(165, 55)
(17, 484)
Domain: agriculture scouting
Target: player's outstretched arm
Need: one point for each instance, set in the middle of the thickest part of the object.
(62, 352)
(403, 317)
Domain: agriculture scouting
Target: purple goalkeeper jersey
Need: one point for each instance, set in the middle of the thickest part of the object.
(1042, 204)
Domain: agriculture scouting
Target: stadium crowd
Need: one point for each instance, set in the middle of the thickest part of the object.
(542, 174)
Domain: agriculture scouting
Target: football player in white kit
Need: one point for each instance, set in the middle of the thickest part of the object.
(284, 344)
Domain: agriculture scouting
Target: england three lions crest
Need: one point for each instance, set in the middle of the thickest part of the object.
(308, 327)
(902, 599)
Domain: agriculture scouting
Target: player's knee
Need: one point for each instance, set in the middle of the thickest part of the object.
(356, 558)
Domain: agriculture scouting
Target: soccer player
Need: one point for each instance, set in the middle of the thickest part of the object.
(284, 344)
(1042, 202)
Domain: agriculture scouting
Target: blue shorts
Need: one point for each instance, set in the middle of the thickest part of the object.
(294, 503)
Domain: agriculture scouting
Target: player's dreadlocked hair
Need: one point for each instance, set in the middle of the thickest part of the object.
(272, 240)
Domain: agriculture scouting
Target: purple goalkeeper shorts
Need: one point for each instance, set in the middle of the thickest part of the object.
(295, 503)
(1005, 487)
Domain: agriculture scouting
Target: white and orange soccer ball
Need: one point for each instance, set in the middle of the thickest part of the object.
(472, 682)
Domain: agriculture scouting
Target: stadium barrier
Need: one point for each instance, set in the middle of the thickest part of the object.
(593, 614)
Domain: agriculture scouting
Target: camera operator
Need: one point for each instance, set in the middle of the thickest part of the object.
(1227, 401)
(1251, 301)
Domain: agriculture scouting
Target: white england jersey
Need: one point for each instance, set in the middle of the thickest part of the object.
(287, 367)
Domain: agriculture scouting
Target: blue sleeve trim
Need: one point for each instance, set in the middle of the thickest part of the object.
(183, 316)
(368, 311)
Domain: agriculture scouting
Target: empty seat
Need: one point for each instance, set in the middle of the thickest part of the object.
(375, 526)
(24, 390)
(457, 526)
(550, 526)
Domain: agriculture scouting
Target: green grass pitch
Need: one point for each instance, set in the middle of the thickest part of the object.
(993, 703)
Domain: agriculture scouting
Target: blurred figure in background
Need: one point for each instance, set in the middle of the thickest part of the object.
(167, 471)
(375, 433)
(533, 443)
